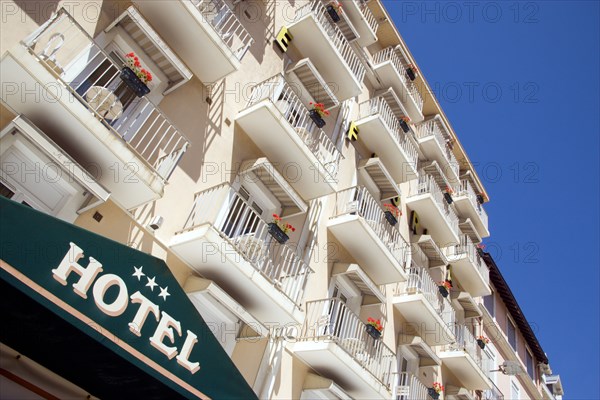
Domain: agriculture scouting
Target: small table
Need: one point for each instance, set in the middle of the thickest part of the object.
(104, 102)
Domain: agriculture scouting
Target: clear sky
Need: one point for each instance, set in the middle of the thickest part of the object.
(519, 83)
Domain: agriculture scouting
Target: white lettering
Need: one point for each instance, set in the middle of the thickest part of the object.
(101, 286)
(69, 264)
(164, 329)
(183, 358)
(146, 307)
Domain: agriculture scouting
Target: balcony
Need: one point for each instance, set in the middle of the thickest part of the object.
(410, 387)
(317, 38)
(335, 343)
(279, 123)
(426, 312)
(435, 214)
(124, 141)
(227, 241)
(492, 394)
(467, 361)
(205, 33)
(434, 138)
(380, 132)
(391, 70)
(359, 224)
(468, 267)
(468, 206)
(362, 19)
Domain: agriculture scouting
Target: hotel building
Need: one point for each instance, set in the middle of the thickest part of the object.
(283, 186)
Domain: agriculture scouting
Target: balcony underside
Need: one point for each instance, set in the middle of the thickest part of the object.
(423, 319)
(313, 42)
(330, 360)
(375, 135)
(283, 146)
(465, 369)
(129, 178)
(466, 208)
(192, 37)
(352, 11)
(432, 150)
(369, 251)
(469, 276)
(390, 77)
(215, 258)
(432, 219)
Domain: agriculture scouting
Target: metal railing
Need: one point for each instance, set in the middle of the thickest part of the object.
(317, 9)
(379, 106)
(282, 95)
(332, 320)
(360, 201)
(433, 127)
(466, 189)
(389, 54)
(239, 224)
(427, 184)
(492, 394)
(367, 14)
(229, 28)
(409, 387)
(420, 281)
(465, 341)
(92, 77)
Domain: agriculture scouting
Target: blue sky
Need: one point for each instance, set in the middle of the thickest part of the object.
(519, 83)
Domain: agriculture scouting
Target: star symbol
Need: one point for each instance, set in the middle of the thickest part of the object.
(151, 283)
(138, 273)
(164, 293)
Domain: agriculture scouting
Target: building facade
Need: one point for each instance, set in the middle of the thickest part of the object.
(291, 166)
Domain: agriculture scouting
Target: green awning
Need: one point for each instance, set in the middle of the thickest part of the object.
(124, 300)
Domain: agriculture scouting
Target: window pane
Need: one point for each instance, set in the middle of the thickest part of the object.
(512, 335)
(488, 303)
(530, 370)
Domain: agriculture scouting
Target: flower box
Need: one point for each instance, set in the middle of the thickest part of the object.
(433, 394)
(317, 119)
(133, 82)
(411, 73)
(481, 343)
(443, 291)
(404, 126)
(448, 198)
(373, 332)
(333, 13)
(278, 233)
(391, 218)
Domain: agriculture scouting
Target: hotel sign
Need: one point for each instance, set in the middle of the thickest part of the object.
(126, 299)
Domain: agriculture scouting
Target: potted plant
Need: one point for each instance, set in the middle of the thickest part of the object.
(317, 114)
(482, 341)
(134, 76)
(448, 194)
(480, 248)
(374, 328)
(404, 121)
(444, 287)
(480, 198)
(411, 71)
(279, 229)
(334, 9)
(435, 390)
(392, 213)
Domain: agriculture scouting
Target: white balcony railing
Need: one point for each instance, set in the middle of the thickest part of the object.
(410, 388)
(433, 127)
(468, 248)
(282, 95)
(359, 200)
(367, 14)
(466, 189)
(332, 320)
(492, 394)
(218, 14)
(389, 54)
(465, 341)
(428, 184)
(335, 35)
(92, 77)
(379, 106)
(420, 281)
(239, 224)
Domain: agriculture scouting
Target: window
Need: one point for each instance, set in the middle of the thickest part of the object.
(512, 334)
(514, 391)
(488, 303)
(530, 369)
